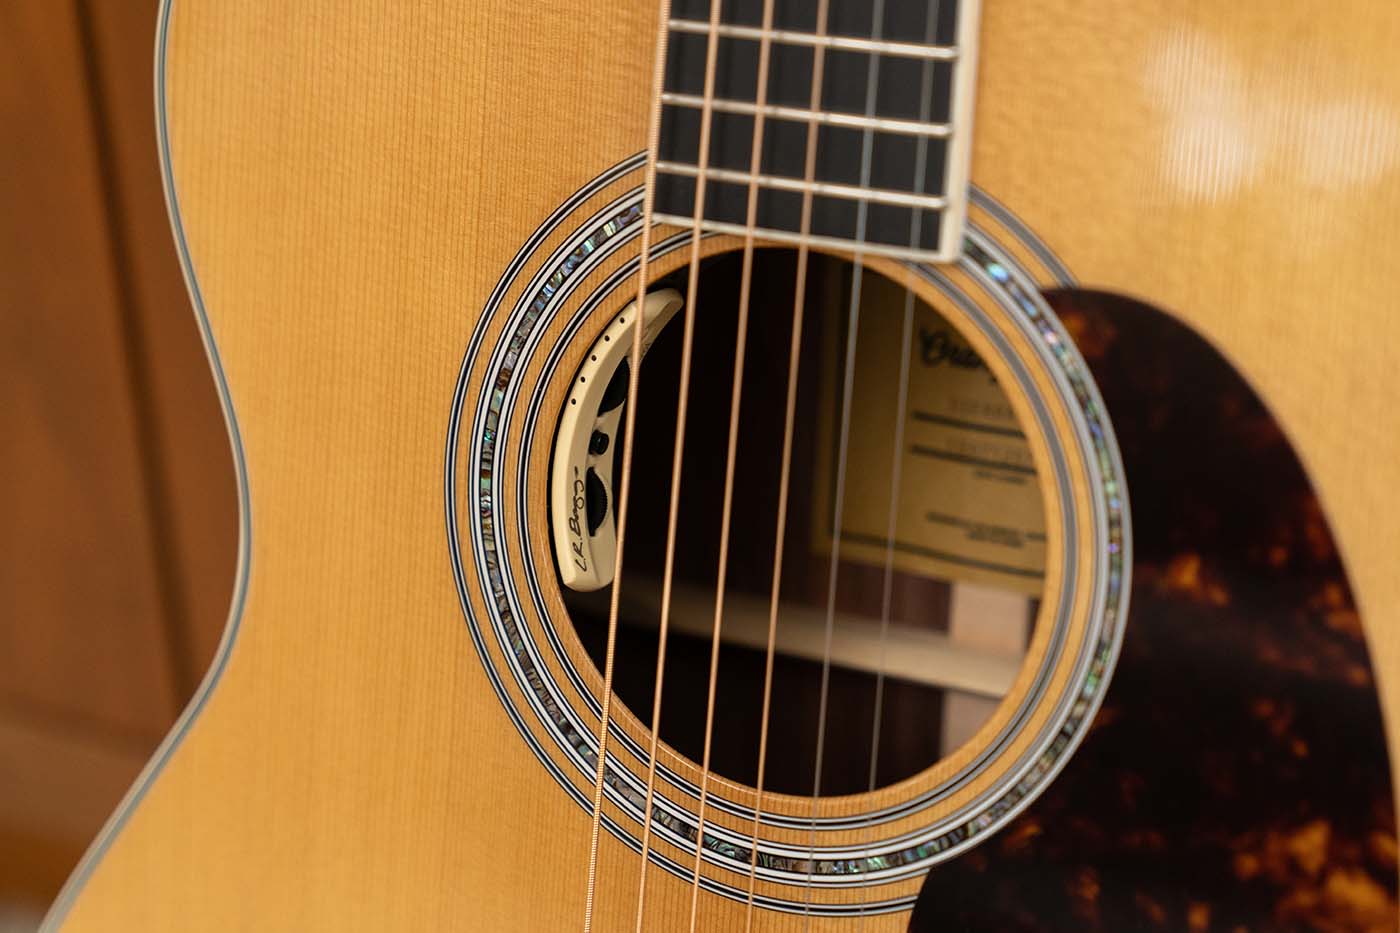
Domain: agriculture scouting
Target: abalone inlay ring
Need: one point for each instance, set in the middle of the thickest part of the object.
(499, 417)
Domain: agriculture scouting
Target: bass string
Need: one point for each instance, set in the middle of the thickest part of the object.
(872, 88)
(789, 418)
(625, 481)
(901, 408)
(736, 397)
(682, 408)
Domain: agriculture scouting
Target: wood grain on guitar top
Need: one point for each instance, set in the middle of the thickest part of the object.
(354, 178)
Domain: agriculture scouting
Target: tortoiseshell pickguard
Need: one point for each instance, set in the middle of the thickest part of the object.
(1237, 776)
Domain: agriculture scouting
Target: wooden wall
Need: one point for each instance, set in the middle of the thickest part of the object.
(118, 520)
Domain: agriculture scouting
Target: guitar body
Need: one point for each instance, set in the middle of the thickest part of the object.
(351, 182)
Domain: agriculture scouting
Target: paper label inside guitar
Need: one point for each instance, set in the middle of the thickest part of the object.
(968, 506)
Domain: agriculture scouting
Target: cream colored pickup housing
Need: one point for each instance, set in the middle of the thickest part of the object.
(584, 445)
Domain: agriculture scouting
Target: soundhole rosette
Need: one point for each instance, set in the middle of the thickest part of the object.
(845, 855)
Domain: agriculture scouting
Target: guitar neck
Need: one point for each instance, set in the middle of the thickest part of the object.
(857, 139)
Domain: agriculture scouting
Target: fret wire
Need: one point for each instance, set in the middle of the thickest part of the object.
(822, 117)
(828, 189)
(938, 53)
(837, 244)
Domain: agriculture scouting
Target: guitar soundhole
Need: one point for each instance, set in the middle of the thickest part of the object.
(965, 564)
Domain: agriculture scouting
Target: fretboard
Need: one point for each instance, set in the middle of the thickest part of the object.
(891, 168)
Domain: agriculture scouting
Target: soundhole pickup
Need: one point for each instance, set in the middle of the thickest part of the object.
(585, 448)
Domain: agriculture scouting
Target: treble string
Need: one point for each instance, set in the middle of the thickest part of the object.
(872, 86)
(901, 405)
(741, 341)
(682, 406)
(785, 470)
(630, 417)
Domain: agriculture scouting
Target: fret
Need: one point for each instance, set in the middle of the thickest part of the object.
(871, 248)
(939, 53)
(849, 192)
(801, 115)
(833, 218)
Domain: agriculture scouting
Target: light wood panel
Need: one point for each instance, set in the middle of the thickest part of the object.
(78, 568)
(59, 783)
(356, 178)
(187, 451)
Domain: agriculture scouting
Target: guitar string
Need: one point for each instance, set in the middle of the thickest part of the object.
(737, 389)
(901, 408)
(785, 468)
(682, 408)
(625, 483)
(872, 88)
(740, 346)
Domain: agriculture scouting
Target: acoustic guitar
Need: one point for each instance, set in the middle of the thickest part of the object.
(787, 465)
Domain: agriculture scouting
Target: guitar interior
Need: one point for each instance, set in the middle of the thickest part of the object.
(944, 619)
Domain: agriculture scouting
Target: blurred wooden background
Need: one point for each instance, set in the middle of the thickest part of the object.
(118, 521)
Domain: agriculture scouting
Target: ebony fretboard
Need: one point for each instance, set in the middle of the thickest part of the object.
(890, 174)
